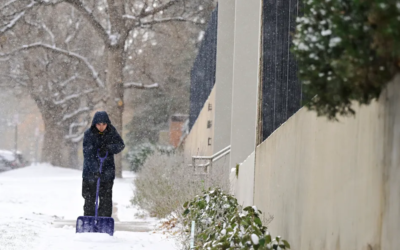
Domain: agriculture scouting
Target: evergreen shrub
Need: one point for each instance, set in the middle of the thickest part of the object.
(347, 50)
(221, 223)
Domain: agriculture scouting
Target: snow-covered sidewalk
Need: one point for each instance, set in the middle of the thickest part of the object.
(35, 199)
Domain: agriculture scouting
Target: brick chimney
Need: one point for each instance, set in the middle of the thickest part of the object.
(176, 124)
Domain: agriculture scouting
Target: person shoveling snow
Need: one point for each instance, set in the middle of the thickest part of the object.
(100, 143)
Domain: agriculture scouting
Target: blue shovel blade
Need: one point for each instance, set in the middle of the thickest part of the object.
(89, 224)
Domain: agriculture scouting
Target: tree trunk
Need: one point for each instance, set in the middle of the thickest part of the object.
(115, 102)
(53, 145)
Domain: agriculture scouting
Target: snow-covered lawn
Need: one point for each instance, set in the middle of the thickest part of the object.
(35, 201)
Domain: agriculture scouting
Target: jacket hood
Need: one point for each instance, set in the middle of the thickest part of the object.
(101, 117)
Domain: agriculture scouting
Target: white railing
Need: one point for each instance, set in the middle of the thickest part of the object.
(210, 160)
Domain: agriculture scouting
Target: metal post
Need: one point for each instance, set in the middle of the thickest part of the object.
(208, 173)
(16, 140)
(192, 235)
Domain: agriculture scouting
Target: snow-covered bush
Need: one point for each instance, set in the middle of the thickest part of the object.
(137, 156)
(347, 50)
(222, 224)
(164, 183)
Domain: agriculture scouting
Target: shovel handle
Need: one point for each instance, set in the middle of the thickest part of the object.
(102, 159)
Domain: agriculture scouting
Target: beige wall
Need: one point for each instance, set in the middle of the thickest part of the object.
(245, 79)
(329, 185)
(196, 143)
(334, 185)
(224, 74)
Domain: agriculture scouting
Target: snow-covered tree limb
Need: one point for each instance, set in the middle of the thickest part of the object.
(75, 113)
(140, 85)
(73, 96)
(70, 54)
(71, 79)
(76, 137)
(130, 17)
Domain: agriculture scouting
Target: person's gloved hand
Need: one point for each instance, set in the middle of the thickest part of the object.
(97, 175)
(103, 150)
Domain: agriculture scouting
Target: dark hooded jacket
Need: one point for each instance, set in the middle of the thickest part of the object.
(93, 140)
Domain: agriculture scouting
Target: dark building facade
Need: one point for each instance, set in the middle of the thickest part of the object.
(281, 89)
(203, 71)
(280, 86)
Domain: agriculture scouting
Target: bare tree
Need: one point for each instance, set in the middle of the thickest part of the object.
(63, 90)
(113, 21)
(64, 98)
(167, 59)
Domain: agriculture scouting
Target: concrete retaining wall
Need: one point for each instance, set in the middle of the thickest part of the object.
(334, 185)
(246, 78)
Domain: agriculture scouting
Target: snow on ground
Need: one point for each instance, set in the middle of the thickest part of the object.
(34, 198)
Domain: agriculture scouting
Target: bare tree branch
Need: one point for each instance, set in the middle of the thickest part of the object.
(136, 85)
(88, 14)
(162, 20)
(158, 9)
(12, 80)
(75, 113)
(73, 96)
(71, 79)
(17, 17)
(50, 34)
(8, 3)
(134, 21)
(168, 20)
(70, 54)
(74, 33)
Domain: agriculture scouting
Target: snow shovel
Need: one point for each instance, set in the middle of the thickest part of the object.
(95, 224)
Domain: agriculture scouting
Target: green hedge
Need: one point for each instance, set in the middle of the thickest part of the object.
(347, 50)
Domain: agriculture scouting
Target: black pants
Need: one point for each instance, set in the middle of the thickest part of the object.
(105, 196)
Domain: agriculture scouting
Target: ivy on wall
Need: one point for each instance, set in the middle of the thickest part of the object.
(347, 50)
